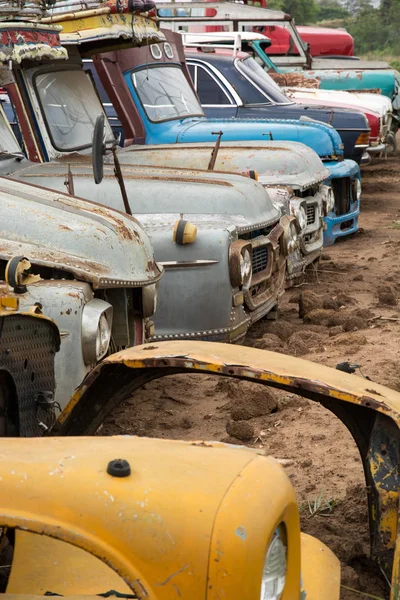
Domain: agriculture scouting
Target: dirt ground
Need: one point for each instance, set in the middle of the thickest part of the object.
(357, 280)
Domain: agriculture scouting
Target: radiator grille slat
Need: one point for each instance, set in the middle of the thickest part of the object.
(310, 212)
(260, 259)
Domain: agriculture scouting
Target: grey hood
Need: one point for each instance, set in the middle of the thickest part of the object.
(277, 163)
(159, 195)
(95, 244)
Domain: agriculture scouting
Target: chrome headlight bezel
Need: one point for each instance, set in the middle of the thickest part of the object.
(291, 238)
(149, 299)
(301, 217)
(298, 212)
(328, 199)
(240, 264)
(273, 577)
(356, 191)
(97, 318)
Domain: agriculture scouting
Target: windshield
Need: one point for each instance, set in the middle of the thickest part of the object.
(71, 106)
(165, 93)
(266, 85)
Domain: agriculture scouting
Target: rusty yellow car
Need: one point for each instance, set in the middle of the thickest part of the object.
(161, 519)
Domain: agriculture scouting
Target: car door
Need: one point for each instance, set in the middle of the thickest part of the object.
(215, 99)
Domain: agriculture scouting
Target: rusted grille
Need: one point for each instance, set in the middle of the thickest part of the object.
(27, 349)
(343, 195)
(310, 212)
(260, 259)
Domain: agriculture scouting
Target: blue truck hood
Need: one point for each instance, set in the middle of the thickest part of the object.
(322, 138)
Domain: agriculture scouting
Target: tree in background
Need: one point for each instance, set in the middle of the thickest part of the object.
(303, 11)
(329, 10)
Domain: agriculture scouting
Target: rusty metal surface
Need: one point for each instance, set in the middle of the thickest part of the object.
(106, 31)
(370, 411)
(95, 244)
(28, 344)
(294, 80)
(173, 190)
(276, 163)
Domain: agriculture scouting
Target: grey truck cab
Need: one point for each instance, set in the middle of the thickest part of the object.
(292, 174)
(222, 242)
(97, 275)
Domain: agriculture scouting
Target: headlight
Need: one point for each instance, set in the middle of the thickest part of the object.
(290, 239)
(301, 217)
(274, 571)
(103, 337)
(240, 264)
(356, 189)
(245, 268)
(96, 330)
(149, 299)
(328, 200)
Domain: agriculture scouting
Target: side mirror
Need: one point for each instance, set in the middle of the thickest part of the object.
(98, 149)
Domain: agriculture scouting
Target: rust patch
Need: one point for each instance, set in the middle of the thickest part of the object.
(373, 392)
(64, 228)
(151, 266)
(294, 80)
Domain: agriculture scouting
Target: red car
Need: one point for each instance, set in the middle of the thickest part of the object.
(322, 41)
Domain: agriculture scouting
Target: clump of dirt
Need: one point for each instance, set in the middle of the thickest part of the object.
(261, 402)
(330, 303)
(336, 330)
(309, 301)
(269, 341)
(241, 430)
(387, 295)
(303, 342)
(319, 316)
(283, 329)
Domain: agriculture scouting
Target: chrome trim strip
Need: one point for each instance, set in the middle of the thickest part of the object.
(178, 264)
(218, 78)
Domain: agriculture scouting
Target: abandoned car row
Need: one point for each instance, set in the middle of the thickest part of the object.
(164, 178)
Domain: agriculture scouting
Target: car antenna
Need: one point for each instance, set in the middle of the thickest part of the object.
(69, 182)
(214, 153)
(98, 152)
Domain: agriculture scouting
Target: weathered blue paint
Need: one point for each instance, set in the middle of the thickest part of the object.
(345, 224)
(322, 138)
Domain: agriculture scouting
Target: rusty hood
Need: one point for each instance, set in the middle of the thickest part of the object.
(276, 163)
(158, 195)
(93, 243)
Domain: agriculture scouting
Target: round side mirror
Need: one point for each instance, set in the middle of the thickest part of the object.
(98, 149)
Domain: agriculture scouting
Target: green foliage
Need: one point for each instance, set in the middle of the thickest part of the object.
(303, 11)
(375, 29)
(329, 10)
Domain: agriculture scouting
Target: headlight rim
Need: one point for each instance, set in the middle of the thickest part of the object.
(236, 250)
(279, 536)
(90, 322)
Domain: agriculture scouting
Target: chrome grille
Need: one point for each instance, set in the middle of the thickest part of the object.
(310, 212)
(260, 259)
